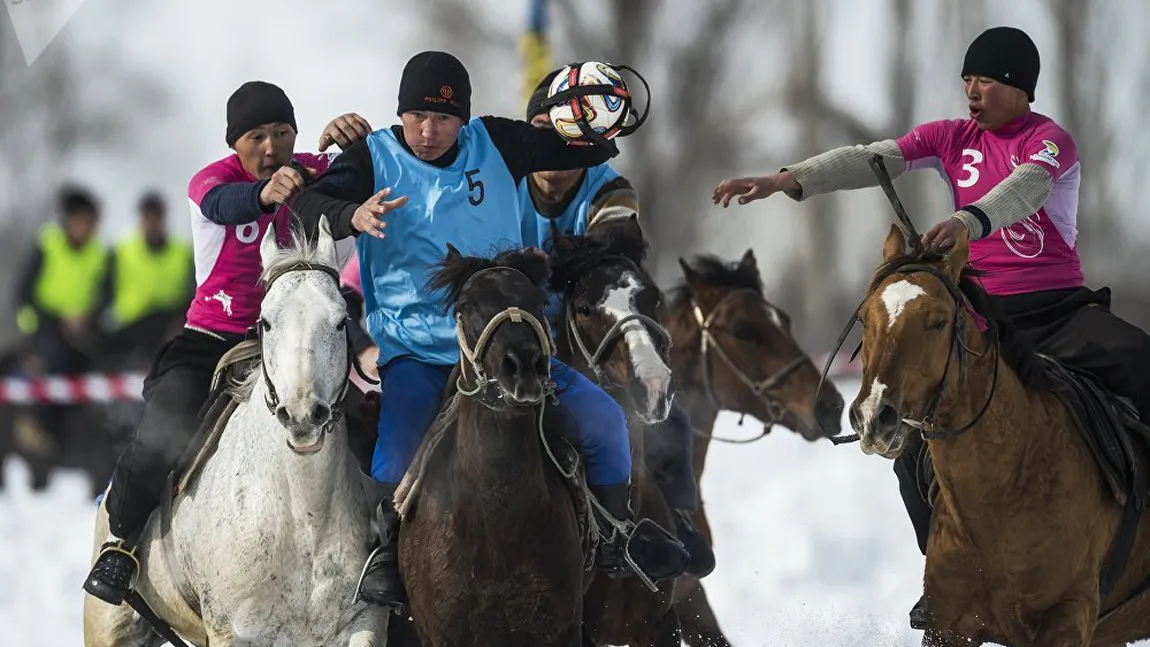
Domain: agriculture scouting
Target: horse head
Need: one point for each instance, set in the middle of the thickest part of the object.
(610, 315)
(741, 352)
(916, 330)
(499, 309)
(302, 329)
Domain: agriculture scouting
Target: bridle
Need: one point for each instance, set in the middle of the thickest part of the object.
(272, 398)
(760, 389)
(490, 392)
(928, 423)
(594, 358)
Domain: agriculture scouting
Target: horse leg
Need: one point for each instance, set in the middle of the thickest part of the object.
(1069, 623)
(700, 627)
(665, 632)
(106, 625)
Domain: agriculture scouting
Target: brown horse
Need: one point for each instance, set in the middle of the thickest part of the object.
(607, 328)
(1023, 522)
(733, 350)
(491, 552)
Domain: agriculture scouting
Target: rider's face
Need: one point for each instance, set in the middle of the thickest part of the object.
(993, 104)
(430, 134)
(561, 180)
(265, 148)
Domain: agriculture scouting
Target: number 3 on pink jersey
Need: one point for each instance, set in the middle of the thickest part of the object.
(971, 177)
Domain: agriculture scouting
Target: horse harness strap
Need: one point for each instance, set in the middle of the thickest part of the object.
(760, 389)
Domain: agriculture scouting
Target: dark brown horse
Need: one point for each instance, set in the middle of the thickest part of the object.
(1024, 521)
(491, 553)
(733, 350)
(608, 329)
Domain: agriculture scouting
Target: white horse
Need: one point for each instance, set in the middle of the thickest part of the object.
(269, 540)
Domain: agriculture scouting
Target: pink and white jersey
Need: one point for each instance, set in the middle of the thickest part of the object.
(349, 275)
(1038, 253)
(227, 257)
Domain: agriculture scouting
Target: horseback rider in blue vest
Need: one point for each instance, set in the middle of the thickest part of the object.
(564, 203)
(455, 177)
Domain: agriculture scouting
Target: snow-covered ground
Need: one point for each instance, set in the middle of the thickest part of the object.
(813, 547)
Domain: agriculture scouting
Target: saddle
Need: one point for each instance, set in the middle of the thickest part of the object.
(557, 450)
(1111, 427)
(230, 372)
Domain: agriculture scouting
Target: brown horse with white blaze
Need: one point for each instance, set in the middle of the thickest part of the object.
(1024, 522)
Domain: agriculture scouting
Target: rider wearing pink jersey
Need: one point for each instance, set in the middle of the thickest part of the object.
(1014, 176)
(233, 201)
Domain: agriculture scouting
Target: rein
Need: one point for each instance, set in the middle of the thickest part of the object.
(928, 424)
(761, 389)
(271, 399)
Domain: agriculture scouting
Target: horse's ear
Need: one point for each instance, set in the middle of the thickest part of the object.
(895, 244)
(536, 264)
(268, 245)
(749, 262)
(694, 279)
(631, 227)
(958, 255)
(326, 244)
(452, 253)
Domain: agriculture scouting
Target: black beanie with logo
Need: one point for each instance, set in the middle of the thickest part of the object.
(254, 104)
(1005, 54)
(435, 82)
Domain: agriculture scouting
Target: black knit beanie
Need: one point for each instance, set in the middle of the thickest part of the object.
(254, 104)
(539, 95)
(1006, 55)
(436, 82)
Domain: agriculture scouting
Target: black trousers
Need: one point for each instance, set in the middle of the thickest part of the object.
(1076, 327)
(175, 390)
(669, 451)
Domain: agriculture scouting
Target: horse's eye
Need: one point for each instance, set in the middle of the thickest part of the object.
(265, 325)
(585, 310)
(747, 333)
(341, 325)
(938, 325)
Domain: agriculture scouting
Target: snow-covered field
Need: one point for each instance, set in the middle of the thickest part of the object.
(813, 547)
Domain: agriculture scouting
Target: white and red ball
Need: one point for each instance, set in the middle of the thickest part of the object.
(605, 113)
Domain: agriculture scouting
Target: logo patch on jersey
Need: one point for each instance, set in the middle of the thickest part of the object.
(225, 300)
(1048, 154)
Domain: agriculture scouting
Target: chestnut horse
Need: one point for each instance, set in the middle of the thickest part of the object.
(1024, 522)
(733, 350)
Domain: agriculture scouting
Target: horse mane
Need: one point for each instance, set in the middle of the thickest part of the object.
(1018, 353)
(716, 271)
(573, 255)
(452, 273)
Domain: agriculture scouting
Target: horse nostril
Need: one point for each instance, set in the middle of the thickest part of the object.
(283, 416)
(541, 363)
(856, 424)
(510, 365)
(320, 414)
(887, 418)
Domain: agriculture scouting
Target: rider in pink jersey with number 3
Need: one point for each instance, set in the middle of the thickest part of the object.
(1014, 176)
(233, 201)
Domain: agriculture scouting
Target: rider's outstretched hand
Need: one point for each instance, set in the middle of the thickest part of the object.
(284, 184)
(750, 189)
(368, 218)
(343, 131)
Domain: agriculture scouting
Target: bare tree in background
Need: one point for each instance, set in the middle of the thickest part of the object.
(61, 103)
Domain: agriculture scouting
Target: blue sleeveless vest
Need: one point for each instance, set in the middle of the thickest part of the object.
(471, 204)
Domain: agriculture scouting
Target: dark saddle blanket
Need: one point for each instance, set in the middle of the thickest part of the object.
(1118, 439)
(230, 372)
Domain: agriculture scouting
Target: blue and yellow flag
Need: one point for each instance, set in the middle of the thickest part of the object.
(534, 47)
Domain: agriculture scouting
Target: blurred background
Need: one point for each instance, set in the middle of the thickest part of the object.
(124, 100)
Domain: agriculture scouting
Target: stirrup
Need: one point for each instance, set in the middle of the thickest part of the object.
(118, 547)
(356, 598)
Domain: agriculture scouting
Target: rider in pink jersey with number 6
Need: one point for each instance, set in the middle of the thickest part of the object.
(1014, 175)
(233, 201)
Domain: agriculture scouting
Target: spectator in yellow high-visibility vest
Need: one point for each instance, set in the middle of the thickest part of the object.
(151, 280)
(61, 291)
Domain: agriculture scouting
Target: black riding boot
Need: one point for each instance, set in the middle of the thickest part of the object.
(657, 554)
(111, 577)
(702, 556)
(380, 582)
